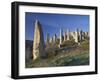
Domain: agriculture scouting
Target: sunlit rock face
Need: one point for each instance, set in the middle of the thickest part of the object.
(38, 44)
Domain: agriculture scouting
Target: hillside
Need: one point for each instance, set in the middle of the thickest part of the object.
(70, 54)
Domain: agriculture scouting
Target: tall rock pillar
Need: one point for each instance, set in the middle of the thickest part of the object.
(61, 37)
(67, 34)
(55, 38)
(76, 36)
(47, 38)
(38, 41)
(80, 35)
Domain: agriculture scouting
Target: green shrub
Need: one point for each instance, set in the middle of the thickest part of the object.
(68, 43)
(85, 45)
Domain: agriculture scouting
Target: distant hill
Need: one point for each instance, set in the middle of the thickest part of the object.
(28, 43)
(28, 49)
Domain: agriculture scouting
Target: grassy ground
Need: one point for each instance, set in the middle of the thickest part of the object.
(70, 54)
(72, 60)
(71, 57)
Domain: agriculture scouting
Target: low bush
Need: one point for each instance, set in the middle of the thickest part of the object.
(68, 43)
(85, 45)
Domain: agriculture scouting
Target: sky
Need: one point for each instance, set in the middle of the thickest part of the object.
(52, 23)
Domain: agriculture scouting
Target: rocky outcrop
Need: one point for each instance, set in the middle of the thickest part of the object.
(38, 44)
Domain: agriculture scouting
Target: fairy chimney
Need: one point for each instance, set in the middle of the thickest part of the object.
(38, 41)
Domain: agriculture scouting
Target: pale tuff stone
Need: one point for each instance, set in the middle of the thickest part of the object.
(55, 38)
(67, 34)
(51, 40)
(83, 35)
(80, 35)
(38, 43)
(86, 33)
(47, 38)
(76, 36)
(61, 36)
